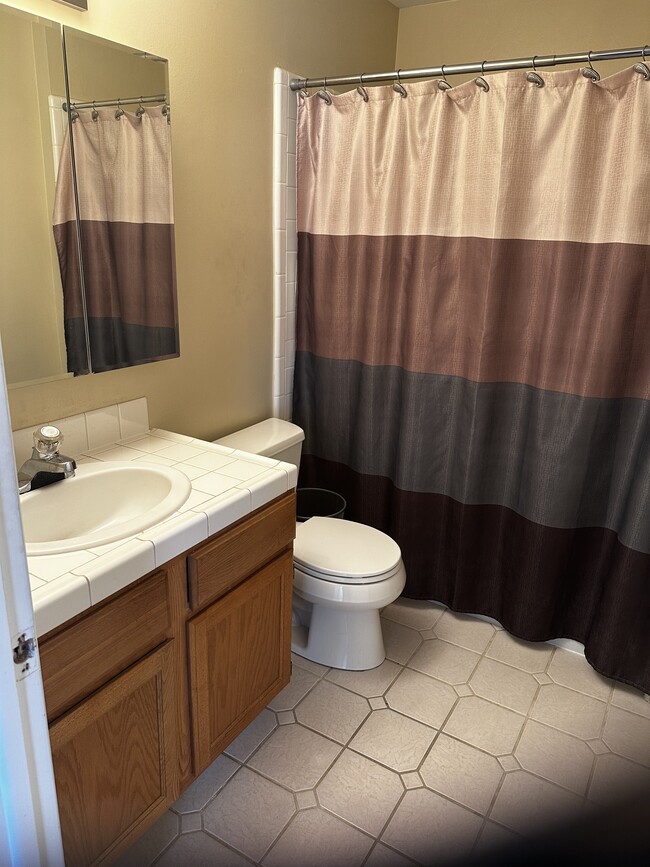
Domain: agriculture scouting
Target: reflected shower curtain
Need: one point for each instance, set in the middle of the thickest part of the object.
(473, 344)
(127, 237)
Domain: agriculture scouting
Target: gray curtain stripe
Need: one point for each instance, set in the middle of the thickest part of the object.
(557, 459)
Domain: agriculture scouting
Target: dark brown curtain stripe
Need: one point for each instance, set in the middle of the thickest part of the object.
(575, 462)
(538, 582)
(562, 315)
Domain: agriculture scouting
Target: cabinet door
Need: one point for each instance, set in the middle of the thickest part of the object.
(240, 657)
(115, 760)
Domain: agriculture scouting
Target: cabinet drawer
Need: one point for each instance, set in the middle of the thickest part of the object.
(221, 564)
(84, 656)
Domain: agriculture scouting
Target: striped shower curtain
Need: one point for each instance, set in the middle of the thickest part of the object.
(127, 238)
(473, 344)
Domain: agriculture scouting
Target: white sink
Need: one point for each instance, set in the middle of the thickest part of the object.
(101, 503)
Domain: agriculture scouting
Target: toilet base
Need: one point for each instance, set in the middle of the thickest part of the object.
(351, 640)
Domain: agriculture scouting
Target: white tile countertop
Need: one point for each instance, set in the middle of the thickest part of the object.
(226, 485)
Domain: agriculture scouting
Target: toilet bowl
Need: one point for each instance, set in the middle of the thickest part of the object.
(344, 572)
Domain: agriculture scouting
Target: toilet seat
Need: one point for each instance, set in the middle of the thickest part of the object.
(345, 552)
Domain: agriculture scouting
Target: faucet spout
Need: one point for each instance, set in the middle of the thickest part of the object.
(46, 465)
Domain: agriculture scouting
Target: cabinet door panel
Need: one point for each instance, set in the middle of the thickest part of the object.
(115, 760)
(240, 657)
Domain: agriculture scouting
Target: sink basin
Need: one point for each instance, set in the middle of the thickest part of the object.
(101, 503)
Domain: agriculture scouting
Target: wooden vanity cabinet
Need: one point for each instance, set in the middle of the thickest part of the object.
(146, 688)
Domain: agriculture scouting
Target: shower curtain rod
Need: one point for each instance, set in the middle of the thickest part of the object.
(104, 103)
(479, 67)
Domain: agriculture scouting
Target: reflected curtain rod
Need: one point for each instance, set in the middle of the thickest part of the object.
(478, 67)
(105, 103)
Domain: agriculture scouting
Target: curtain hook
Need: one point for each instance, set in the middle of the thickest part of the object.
(589, 71)
(120, 110)
(444, 84)
(325, 94)
(534, 77)
(95, 113)
(361, 90)
(480, 81)
(642, 67)
(398, 87)
(74, 114)
(140, 109)
(167, 112)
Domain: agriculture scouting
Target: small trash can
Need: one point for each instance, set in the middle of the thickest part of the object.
(318, 502)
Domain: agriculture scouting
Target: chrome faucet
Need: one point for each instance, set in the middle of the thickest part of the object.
(47, 464)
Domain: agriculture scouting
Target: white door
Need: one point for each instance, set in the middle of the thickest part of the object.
(30, 835)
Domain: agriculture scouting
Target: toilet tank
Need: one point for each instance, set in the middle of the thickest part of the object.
(273, 438)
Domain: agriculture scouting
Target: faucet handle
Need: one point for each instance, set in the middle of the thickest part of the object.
(47, 440)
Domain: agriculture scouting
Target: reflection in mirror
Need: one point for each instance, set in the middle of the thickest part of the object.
(123, 295)
(31, 87)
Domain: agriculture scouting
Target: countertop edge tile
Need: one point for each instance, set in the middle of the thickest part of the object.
(117, 569)
(59, 600)
(175, 535)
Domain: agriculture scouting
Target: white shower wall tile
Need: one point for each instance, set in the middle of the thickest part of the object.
(285, 240)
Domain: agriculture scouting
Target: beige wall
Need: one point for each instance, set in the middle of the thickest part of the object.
(221, 57)
(457, 31)
(30, 291)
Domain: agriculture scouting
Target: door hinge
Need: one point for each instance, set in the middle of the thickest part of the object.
(24, 650)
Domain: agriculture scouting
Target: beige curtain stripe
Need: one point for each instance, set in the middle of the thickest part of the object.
(552, 163)
(108, 148)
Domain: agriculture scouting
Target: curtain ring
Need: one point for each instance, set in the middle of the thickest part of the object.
(140, 109)
(120, 110)
(95, 113)
(361, 90)
(589, 71)
(444, 84)
(534, 77)
(325, 94)
(642, 67)
(74, 114)
(480, 81)
(303, 93)
(398, 87)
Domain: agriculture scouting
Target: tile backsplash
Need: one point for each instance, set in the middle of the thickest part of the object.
(89, 430)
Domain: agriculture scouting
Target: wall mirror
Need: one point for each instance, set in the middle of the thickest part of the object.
(117, 203)
(52, 324)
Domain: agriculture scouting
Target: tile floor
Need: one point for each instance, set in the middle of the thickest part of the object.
(463, 740)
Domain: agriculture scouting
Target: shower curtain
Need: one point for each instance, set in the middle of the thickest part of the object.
(123, 171)
(473, 344)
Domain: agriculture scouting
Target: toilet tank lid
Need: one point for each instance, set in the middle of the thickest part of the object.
(265, 438)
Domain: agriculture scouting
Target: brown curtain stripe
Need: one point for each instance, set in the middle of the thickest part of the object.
(473, 362)
(564, 316)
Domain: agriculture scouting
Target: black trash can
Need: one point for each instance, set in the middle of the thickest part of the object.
(318, 503)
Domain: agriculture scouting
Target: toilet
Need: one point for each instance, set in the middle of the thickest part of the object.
(344, 572)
